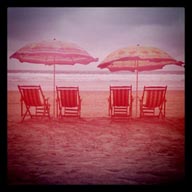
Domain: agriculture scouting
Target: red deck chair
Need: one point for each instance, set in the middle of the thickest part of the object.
(153, 101)
(68, 101)
(34, 100)
(120, 101)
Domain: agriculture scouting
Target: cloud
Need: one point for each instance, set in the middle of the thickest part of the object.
(99, 30)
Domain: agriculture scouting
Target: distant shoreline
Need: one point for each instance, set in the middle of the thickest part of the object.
(93, 72)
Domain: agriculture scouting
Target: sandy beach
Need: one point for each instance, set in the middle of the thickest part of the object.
(95, 149)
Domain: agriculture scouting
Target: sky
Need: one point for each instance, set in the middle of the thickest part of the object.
(98, 30)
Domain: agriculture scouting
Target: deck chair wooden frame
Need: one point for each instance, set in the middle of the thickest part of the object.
(153, 101)
(120, 101)
(34, 102)
(68, 102)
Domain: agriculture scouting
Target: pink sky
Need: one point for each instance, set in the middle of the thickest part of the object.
(98, 30)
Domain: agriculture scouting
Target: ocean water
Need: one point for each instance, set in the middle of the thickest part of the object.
(94, 81)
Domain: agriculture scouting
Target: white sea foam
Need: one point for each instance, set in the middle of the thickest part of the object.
(95, 81)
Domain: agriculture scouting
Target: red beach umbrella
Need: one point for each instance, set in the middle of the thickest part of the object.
(51, 53)
(137, 58)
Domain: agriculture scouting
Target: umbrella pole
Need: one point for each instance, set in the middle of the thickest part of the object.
(136, 91)
(54, 92)
(136, 86)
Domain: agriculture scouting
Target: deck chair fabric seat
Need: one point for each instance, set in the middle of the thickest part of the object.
(120, 101)
(32, 97)
(153, 101)
(68, 101)
(68, 98)
(35, 103)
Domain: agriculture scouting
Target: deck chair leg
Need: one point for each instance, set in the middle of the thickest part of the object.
(141, 112)
(57, 110)
(153, 112)
(109, 111)
(60, 112)
(140, 109)
(46, 112)
(23, 118)
(79, 111)
(49, 113)
(27, 111)
(164, 106)
(162, 111)
(21, 107)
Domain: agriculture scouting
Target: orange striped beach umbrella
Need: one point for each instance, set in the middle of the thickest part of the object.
(137, 58)
(51, 53)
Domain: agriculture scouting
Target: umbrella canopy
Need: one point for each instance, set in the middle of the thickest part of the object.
(51, 53)
(149, 58)
(137, 58)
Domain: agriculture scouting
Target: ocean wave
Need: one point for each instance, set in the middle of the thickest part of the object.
(95, 81)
